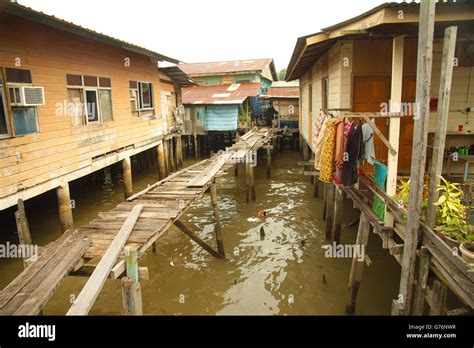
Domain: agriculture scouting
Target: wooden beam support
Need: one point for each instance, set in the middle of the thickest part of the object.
(83, 303)
(179, 152)
(22, 225)
(423, 83)
(357, 267)
(196, 146)
(127, 177)
(64, 207)
(421, 284)
(438, 298)
(183, 228)
(166, 151)
(398, 45)
(449, 45)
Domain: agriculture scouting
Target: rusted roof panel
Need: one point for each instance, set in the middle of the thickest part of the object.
(220, 94)
(226, 67)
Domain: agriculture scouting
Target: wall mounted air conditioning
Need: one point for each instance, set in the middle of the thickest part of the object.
(26, 96)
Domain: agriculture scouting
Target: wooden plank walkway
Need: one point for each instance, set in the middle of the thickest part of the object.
(80, 250)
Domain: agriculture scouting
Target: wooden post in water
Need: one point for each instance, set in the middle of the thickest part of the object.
(161, 160)
(338, 202)
(325, 199)
(172, 155)
(269, 162)
(131, 289)
(23, 228)
(447, 63)
(329, 209)
(420, 290)
(179, 152)
(420, 135)
(358, 262)
(64, 207)
(167, 156)
(217, 228)
(236, 170)
(127, 177)
(251, 179)
(316, 187)
(305, 151)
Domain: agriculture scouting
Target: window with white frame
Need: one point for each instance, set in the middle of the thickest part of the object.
(89, 99)
(18, 92)
(141, 97)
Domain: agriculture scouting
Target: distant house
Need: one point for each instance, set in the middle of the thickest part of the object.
(284, 97)
(72, 101)
(225, 73)
(215, 108)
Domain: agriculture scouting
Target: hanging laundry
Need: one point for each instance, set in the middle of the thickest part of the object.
(368, 140)
(319, 123)
(353, 150)
(342, 132)
(327, 152)
(318, 144)
(380, 179)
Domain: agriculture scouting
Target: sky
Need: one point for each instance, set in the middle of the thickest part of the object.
(208, 30)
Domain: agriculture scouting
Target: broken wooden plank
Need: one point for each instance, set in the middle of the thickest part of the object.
(89, 293)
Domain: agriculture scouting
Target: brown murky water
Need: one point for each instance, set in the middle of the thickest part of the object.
(281, 274)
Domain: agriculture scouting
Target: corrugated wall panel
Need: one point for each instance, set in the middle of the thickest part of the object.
(221, 118)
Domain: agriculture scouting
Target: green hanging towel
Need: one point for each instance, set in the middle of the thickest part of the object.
(380, 180)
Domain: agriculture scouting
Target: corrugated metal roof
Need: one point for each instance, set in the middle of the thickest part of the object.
(178, 76)
(61, 24)
(220, 94)
(231, 66)
(283, 92)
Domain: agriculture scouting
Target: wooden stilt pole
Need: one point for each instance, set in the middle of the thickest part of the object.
(325, 199)
(329, 209)
(336, 228)
(127, 177)
(447, 62)
(305, 152)
(316, 187)
(217, 228)
(423, 83)
(236, 170)
(131, 289)
(64, 207)
(172, 150)
(251, 180)
(358, 262)
(161, 160)
(269, 162)
(438, 298)
(167, 157)
(179, 151)
(420, 290)
(22, 226)
(196, 146)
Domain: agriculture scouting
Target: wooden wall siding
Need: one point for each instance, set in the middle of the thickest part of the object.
(346, 74)
(334, 73)
(59, 148)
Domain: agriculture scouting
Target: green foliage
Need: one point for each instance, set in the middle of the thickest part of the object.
(451, 213)
(243, 117)
(282, 74)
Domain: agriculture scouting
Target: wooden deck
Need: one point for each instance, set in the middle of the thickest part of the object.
(80, 250)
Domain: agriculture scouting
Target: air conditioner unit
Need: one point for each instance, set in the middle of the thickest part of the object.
(26, 96)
